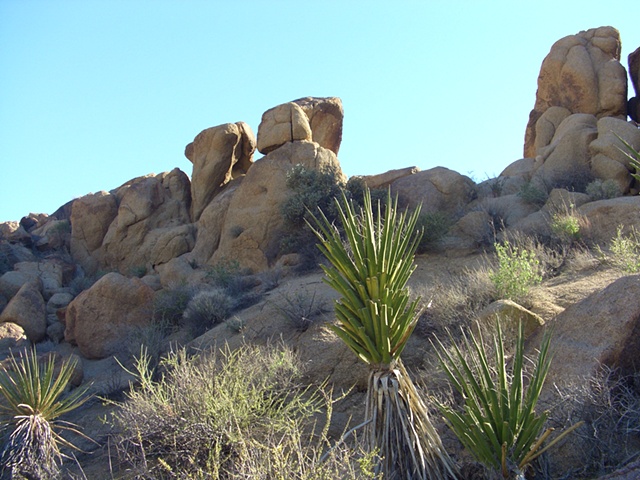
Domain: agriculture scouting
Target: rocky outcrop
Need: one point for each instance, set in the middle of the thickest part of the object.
(101, 320)
(605, 216)
(27, 309)
(143, 223)
(383, 180)
(437, 189)
(12, 338)
(218, 155)
(253, 225)
(582, 73)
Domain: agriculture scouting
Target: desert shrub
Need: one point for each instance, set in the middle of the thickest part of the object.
(533, 194)
(609, 405)
(34, 399)
(206, 309)
(625, 251)
(498, 424)
(603, 189)
(240, 414)
(169, 304)
(225, 274)
(575, 180)
(301, 308)
(518, 270)
(311, 190)
(435, 226)
(568, 226)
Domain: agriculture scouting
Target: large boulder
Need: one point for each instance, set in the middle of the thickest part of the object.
(253, 225)
(605, 216)
(325, 119)
(282, 124)
(565, 162)
(583, 74)
(218, 154)
(437, 189)
(600, 330)
(28, 310)
(100, 320)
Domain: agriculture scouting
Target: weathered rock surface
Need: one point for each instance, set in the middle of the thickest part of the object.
(143, 223)
(282, 124)
(582, 73)
(101, 319)
(600, 330)
(437, 189)
(566, 160)
(605, 216)
(253, 223)
(325, 119)
(91, 216)
(634, 70)
(27, 309)
(218, 154)
(509, 314)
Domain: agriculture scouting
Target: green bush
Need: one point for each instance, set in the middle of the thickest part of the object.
(169, 305)
(568, 226)
(34, 398)
(533, 195)
(498, 424)
(518, 270)
(240, 414)
(434, 226)
(625, 251)
(603, 189)
(206, 309)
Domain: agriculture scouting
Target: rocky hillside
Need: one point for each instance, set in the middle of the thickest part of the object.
(96, 278)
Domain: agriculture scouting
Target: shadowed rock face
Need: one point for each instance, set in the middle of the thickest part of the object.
(633, 107)
(582, 73)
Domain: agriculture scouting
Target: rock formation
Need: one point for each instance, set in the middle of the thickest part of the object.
(582, 74)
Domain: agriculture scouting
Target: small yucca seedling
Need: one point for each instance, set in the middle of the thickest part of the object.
(33, 400)
(498, 423)
(375, 319)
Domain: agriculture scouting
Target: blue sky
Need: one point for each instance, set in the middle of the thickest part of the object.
(94, 93)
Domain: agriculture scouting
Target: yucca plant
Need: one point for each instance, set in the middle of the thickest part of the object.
(498, 423)
(376, 317)
(33, 400)
(633, 155)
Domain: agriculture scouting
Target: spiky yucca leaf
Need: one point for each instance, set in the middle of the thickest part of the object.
(498, 423)
(633, 155)
(33, 400)
(370, 272)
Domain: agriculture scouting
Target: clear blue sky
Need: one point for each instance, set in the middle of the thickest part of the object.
(94, 93)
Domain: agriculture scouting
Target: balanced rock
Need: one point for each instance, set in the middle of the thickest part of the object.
(27, 309)
(282, 124)
(101, 319)
(583, 74)
(218, 154)
(325, 117)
